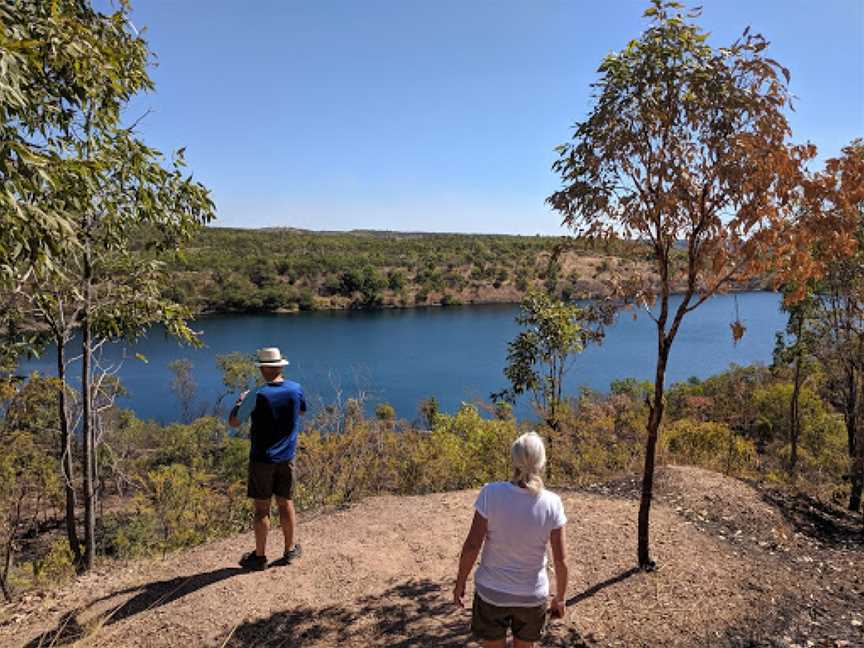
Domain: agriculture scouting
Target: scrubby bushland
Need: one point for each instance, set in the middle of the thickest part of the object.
(166, 487)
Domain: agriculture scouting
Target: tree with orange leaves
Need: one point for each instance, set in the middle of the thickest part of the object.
(838, 321)
(687, 149)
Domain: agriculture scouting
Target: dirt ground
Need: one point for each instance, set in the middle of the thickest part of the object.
(738, 566)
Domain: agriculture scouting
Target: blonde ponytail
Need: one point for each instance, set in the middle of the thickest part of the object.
(528, 456)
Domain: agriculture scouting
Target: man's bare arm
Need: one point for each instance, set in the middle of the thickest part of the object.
(233, 421)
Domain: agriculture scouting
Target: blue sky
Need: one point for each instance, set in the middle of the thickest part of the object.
(431, 116)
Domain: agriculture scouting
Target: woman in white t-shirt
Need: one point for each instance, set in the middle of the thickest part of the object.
(516, 520)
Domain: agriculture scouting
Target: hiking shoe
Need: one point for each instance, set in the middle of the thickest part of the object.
(252, 560)
(292, 554)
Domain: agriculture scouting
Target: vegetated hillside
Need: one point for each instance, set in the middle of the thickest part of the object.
(738, 566)
(286, 269)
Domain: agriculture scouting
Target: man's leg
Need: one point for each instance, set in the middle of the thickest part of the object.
(262, 525)
(287, 518)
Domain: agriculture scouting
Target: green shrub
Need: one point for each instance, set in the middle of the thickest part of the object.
(708, 444)
(233, 463)
(130, 534)
(385, 412)
(503, 410)
(180, 505)
(55, 566)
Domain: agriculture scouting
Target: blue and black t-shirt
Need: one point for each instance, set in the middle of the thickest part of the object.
(276, 422)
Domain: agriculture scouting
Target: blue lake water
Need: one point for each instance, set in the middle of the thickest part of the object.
(456, 353)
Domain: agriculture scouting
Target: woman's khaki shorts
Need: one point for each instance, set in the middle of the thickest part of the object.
(490, 622)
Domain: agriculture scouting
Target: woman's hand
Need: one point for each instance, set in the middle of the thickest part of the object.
(558, 608)
(459, 594)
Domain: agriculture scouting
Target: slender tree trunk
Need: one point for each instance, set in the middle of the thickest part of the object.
(66, 450)
(856, 444)
(729, 451)
(10, 551)
(857, 477)
(654, 418)
(794, 419)
(5, 587)
(7, 567)
(87, 423)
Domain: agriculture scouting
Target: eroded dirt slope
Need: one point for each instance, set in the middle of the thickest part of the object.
(736, 569)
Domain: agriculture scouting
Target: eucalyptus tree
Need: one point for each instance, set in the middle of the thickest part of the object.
(101, 187)
(828, 324)
(118, 287)
(837, 326)
(540, 356)
(686, 148)
(52, 57)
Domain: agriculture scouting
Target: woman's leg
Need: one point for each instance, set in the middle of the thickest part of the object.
(518, 643)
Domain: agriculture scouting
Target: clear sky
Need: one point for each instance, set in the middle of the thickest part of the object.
(432, 115)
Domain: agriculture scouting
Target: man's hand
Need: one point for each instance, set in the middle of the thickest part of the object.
(558, 608)
(459, 594)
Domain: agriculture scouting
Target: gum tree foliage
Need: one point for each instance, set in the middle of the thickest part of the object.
(42, 51)
(44, 48)
(686, 148)
(97, 191)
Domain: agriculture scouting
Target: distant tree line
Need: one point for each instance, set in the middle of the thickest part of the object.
(233, 270)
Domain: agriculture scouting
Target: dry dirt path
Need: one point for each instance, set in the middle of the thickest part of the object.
(379, 574)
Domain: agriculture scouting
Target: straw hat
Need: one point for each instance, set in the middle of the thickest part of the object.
(270, 357)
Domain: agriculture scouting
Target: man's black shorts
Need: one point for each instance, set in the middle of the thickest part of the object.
(268, 479)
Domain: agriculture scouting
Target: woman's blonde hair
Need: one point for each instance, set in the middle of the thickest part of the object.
(528, 456)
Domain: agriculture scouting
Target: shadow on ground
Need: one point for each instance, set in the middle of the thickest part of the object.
(411, 614)
(591, 591)
(145, 597)
(414, 613)
(818, 520)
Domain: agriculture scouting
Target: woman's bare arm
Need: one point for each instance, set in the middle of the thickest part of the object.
(558, 539)
(470, 550)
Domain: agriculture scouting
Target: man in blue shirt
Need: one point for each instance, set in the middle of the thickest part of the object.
(275, 409)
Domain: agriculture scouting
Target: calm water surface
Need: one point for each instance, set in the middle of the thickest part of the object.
(455, 353)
